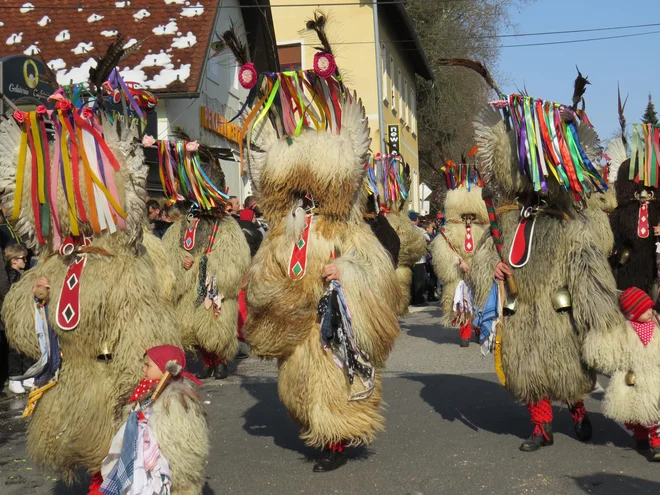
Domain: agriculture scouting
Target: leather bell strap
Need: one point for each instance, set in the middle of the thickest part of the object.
(468, 244)
(643, 220)
(298, 259)
(522, 242)
(68, 307)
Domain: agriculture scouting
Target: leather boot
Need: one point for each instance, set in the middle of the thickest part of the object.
(465, 342)
(583, 429)
(331, 461)
(538, 439)
(221, 371)
(207, 372)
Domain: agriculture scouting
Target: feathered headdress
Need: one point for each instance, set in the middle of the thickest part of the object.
(462, 175)
(87, 177)
(548, 146)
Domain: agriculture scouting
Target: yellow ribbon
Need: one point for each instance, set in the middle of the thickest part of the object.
(20, 175)
(34, 397)
(68, 176)
(36, 137)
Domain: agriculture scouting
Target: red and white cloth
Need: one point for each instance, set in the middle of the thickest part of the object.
(644, 331)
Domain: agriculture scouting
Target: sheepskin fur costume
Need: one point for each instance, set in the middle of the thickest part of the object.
(633, 260)
(541, 348)
(458, 202)
(179, 424)
(282, 320)
(413, 247)
(121, 308)
(228, 261)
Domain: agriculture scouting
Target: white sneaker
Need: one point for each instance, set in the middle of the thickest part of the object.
(29, 383)
(16, 387)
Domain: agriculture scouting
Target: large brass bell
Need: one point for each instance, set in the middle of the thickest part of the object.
(561, 300)
(510, 305)
(630, 379)
(105, 354)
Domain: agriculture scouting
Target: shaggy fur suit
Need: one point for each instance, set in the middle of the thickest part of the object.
(122, 311)
(282, 321)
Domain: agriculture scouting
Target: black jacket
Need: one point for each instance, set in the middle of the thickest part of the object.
(387, 237)
(252, 234)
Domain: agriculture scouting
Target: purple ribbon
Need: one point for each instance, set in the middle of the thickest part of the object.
(115, 81)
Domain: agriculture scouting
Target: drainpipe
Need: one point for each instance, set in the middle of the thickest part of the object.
(379, 79)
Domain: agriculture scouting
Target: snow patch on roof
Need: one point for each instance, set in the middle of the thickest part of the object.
(193, 10)
(31, 50)
(15, 39)
(141, 14)
(185, 41)
(167, 76)
(63, 36)
(2, 23)
(130, 43)
(27, 7)
(177, 2)
(83, 48)
(94, 18)
(121, 5)
(133, 75)
(76, 74)
(44, 21)
(161, 59)
(169, 28)
(57, 64)
(107, 33)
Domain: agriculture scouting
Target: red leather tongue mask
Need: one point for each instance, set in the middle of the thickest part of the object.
(468, 245)
(643, 220)
(522, 242)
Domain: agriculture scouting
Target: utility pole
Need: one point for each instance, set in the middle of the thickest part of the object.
(379, 78)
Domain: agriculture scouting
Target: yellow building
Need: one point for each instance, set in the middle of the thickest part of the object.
(354, 36)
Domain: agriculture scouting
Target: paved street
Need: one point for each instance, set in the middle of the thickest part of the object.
(451, 428)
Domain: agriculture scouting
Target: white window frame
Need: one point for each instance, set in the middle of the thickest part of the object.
(393, 93)
(413, 111)
(399, 88)
(383, 62)
(406, 102)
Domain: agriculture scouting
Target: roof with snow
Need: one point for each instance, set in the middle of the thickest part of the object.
(70, 35)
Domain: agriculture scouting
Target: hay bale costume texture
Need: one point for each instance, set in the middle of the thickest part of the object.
(205, 297)
(637, 211)
(79, 201)
(466, 221)
(310, 184)
(566, 292)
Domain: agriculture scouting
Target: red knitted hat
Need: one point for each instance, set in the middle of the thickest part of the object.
(163, 354)
(246, 214)
(635, 302)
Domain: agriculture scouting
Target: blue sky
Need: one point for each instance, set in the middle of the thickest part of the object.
(548, 72)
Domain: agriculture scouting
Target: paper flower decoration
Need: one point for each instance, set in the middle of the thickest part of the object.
(192, 146)
(247, 76)
(20, 116)
(324, 64)
(148, 141)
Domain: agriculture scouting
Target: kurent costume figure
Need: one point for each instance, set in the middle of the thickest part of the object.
(320, 260)
(540, 167)
(165, 434)
(386, 180)
(453, 248)
(637, 212)
(208, 254)
(79, 201)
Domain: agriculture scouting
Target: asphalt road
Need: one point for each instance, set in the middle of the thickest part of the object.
(451, 429)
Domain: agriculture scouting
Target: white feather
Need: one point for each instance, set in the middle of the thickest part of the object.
(618, 154)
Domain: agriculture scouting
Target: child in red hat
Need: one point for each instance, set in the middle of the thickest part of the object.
(149, 454)
(633, 394)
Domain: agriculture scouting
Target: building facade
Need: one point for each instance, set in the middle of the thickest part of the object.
(169, 52)
(375, 45)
